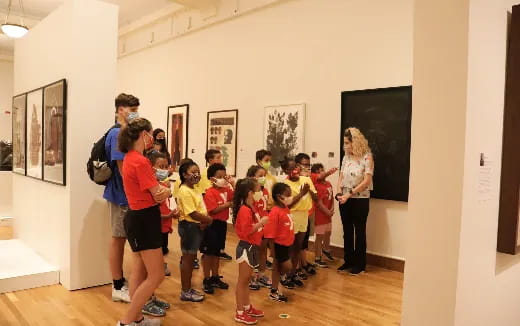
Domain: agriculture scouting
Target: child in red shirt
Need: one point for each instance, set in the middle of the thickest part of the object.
(262, 202)
(249, 230)
(323, 214)
(280, 232)
(218, 200)
(160, 165)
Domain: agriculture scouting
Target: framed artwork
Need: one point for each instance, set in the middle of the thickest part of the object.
(54, 132)
(222, 135)
(177, 133)
(19, 133)
(384, 116)
(34, 127)
(284, 132)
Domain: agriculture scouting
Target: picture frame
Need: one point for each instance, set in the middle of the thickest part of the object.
(284, 132)
(34, 132)
(19, 133)
(177, 133)
(55, 132)
(222, 134)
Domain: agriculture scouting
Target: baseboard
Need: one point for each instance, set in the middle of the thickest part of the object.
(392, 264)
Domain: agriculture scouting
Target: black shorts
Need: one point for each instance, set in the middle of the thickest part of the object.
(143, 228)
(305, 244)
(214, 238)
(248, 253)
(281, 253)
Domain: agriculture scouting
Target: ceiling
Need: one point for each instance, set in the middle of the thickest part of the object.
(35, 10)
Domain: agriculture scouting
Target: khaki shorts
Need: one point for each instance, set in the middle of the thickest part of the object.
(300, 221)
(117, 216)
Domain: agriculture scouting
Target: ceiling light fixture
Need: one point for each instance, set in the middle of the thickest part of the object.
(14, 30)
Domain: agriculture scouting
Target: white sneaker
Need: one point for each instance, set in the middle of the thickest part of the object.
(121, 295)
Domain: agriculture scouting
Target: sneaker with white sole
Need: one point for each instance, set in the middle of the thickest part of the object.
(160, 303)
(191, 295)
(122, 295)
(264, 281)
(148, 322)
(245, 319)
(119, 324)
(153, 310)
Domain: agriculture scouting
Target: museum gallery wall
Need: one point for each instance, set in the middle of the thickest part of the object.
(39, 133)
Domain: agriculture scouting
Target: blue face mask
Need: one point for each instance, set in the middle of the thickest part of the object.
(132, 116)
(161, 174)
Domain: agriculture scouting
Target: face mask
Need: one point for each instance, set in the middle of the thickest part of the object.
(161, 174)
(266, 165)
(193, 178)
(261, 181)
(132, 116)
(258, 195)
(295, 173)
(287, 201)
(220, 182)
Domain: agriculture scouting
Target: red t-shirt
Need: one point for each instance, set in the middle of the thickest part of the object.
(280, 227)
(261, 204)
(216, 197)
(138, 178)
(166, 223)
(246, 219)
(325, 194)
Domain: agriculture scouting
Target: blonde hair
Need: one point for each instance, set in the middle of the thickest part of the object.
(359, 142)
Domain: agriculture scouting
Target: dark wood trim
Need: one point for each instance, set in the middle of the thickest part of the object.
(510, 178)
(392, 264)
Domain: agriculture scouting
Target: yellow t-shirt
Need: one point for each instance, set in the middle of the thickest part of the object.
(305, 203)
(190, 200)
(204, 183)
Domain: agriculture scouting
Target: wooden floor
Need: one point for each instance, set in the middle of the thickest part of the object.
(329, 298)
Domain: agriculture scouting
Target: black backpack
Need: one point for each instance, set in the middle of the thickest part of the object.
(98, 167)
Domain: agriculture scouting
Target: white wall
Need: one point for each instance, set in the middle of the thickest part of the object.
(299, 51)
(69, 226)
(488, 288)
(6, 95)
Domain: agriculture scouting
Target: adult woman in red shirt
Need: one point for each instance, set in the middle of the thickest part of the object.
(143, 220)
(248, 227)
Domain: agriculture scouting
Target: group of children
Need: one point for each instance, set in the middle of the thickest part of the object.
(270, 218)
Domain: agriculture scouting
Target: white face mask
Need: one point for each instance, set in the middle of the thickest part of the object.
(287, 201)
(258, 195)
(220, 182)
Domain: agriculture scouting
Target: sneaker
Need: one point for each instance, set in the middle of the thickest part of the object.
(225, 256)
(301, 274)
(328, 255)
(297, 281)
(269, 265)
(151, 309)
(356, 271)
(191, 295)
(344, 268)
(207, 286)
(161, 304)
(119, 324)
(253, 285)
(198, 292)
(121, 295)
(148, 322)
(196, 264)
(217, 282)
(245, 319)
(277, 296)
(253, 312)
(288, 283)
(321, 264)
(309, 269)
(166, 270)
(265, 282)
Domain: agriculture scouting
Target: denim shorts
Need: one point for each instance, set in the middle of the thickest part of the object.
(191, 237)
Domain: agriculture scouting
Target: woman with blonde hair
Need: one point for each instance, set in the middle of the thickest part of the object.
(353, 193)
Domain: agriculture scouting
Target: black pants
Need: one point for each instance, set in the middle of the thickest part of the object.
(165, 249)
(354, 214)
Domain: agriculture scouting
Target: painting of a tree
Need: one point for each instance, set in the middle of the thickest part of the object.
(284, 131)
